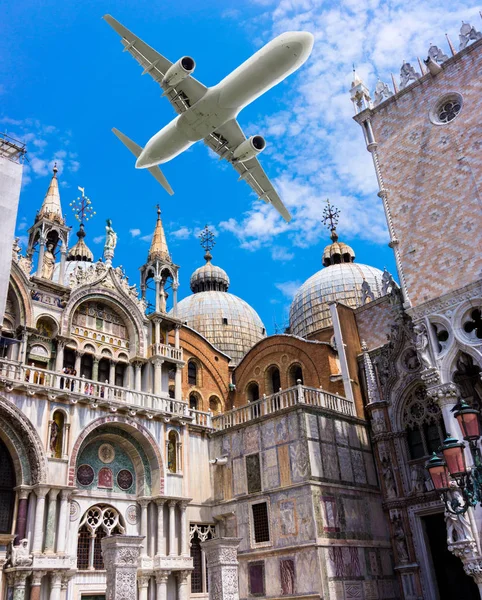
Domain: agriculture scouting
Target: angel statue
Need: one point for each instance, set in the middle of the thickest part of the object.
(110, 236)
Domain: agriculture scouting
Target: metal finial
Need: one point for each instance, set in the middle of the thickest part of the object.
(330, 218)
(207, 241)
(82, 207)
(55, 170)
(158, 212)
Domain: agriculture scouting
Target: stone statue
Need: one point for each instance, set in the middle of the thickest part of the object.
(407, 75)
(388, 477)
(417, 480)
(399, 538)
(54, 434)
(437, 55)
(467, 34)
(458, 526)
(110, 236)
(382, 92)
(422, 346)
(48, 262)
(19, 555)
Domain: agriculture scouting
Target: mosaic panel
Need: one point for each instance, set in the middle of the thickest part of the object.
(120, 469)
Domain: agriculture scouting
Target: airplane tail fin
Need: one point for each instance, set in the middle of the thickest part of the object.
(136, 150)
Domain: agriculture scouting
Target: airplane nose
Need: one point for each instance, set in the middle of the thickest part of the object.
(299, 41)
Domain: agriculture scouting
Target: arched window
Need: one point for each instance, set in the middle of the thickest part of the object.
(104, 370)
(7, 495)
(120, 369)
(252, 392)
(199, 576)
(57, 431)
(273, 380)
(193, 402)
(173, 452)
(295, 374)
(192, 373)
(98, 522)
(86, 364)
(423, 424)
(214, 405)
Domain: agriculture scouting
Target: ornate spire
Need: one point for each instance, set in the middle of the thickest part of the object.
(209, 277)
(51, 208)
(337, 252)
(159, 249)
(83, 211)
(360, 96)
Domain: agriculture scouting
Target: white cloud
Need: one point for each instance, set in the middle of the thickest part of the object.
(231, 13)
(182, 233)
(281, 254)
(146, 238)
(288, 288)
(135, 232)
(98, 239)
(315, 150)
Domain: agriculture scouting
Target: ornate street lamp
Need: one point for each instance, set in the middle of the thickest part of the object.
(451, 470)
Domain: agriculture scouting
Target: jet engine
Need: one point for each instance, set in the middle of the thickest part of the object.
(249, 148)
(178, 71)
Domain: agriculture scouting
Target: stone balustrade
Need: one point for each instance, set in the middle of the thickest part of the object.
(36, 380)
(166, 351)
(297, 395)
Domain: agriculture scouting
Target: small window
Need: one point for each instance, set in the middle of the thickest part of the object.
(256, 579)
(214, 405)
(225, 321)
(192, 373)
(252, 392)
(260, 522)
(253, 472)
(295, 375)
(193, 402)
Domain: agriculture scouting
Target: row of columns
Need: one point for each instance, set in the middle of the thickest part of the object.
(18, 581)
(161, 549)
(161, 584)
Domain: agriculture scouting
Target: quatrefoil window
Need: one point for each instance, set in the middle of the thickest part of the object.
(446, 109)
(473, 325)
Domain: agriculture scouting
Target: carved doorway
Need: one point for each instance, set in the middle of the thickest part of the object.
(448, 572)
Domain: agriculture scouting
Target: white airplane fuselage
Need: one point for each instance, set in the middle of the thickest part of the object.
(221, 103)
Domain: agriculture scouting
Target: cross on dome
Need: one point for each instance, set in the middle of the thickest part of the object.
(207, 241)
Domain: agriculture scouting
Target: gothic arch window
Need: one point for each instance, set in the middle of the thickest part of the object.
(192, 374)
(273, 380)
(7, 495)
(252, 392)
(173, 452)
(98, 522)
(57, 434)
(423, 424)
(295, 374)
(199, 576)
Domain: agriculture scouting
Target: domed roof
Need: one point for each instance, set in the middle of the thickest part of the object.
(225, 320)
(346, 282)
(209, 277)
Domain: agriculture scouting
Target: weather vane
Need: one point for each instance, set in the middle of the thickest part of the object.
(82, 207)
(330, 216)
(207, 239)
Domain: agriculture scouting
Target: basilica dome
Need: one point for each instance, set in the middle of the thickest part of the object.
(341, 280)
(225, 320)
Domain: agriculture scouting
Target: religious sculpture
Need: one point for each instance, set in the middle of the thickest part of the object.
(48, 263)
(388, 477)
(467, 34)
(417, 480)
(110, 236)
(407, 75)
(54, 434)
(399, 538)
(458, 526)
(437, 55)
(382, 92)
(422, 346)
(19, 555)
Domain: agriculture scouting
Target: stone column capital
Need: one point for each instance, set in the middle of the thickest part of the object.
(23, 493)
(53, 493)
(182, 576)
(183, 505)
(473, 568)
(41, 491)
(445, 393)
(66, 495)
(37, 577)
(160, 501)
(143, 501)
(18, 579)
(162, 576)
(172, 503)
(143, 580)
(56, 579)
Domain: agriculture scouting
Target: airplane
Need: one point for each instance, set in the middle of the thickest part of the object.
(209, 113)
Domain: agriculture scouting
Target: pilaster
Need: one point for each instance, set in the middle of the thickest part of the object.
(222, 563)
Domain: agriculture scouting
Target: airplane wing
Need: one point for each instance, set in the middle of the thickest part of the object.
(184, 95)
(224, 142)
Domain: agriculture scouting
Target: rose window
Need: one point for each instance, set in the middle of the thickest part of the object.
(448, 111)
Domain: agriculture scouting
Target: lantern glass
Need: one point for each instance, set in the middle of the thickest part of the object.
(469, 424)
(440, 476)
(455, 458)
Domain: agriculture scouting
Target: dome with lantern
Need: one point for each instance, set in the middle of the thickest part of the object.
(225, 320)
(341, 280)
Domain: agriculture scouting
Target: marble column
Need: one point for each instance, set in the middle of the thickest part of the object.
(63, 516)
(41, 253)
(161, 540)
(157, 332)
(78, 359)
(51, 522)
(182, 591)
(63, 256)
(176, 337)
(183, 536)
(138, 377)
(64, 586)
(222, 563)
(95, 369)
(178, 382)
(35, 584)
(161, 581)
(172, 528)
(112, 372)
(39, 520)
(158, 289)
(22, 510)
(174, 298)
(157, 375)
(55, 584)
(121, 554)
(143, 503)
(143, 584)
(19, 583)
(59, 359)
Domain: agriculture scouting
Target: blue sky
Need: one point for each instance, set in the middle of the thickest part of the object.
(65, 82)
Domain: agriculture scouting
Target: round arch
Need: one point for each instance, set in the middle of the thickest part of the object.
(23, 443)
(138, 432)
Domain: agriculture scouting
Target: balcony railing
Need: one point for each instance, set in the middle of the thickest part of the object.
(268, 405)
(32, 378)
(168, 352)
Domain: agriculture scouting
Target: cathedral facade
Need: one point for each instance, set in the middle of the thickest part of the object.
(161, 448)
